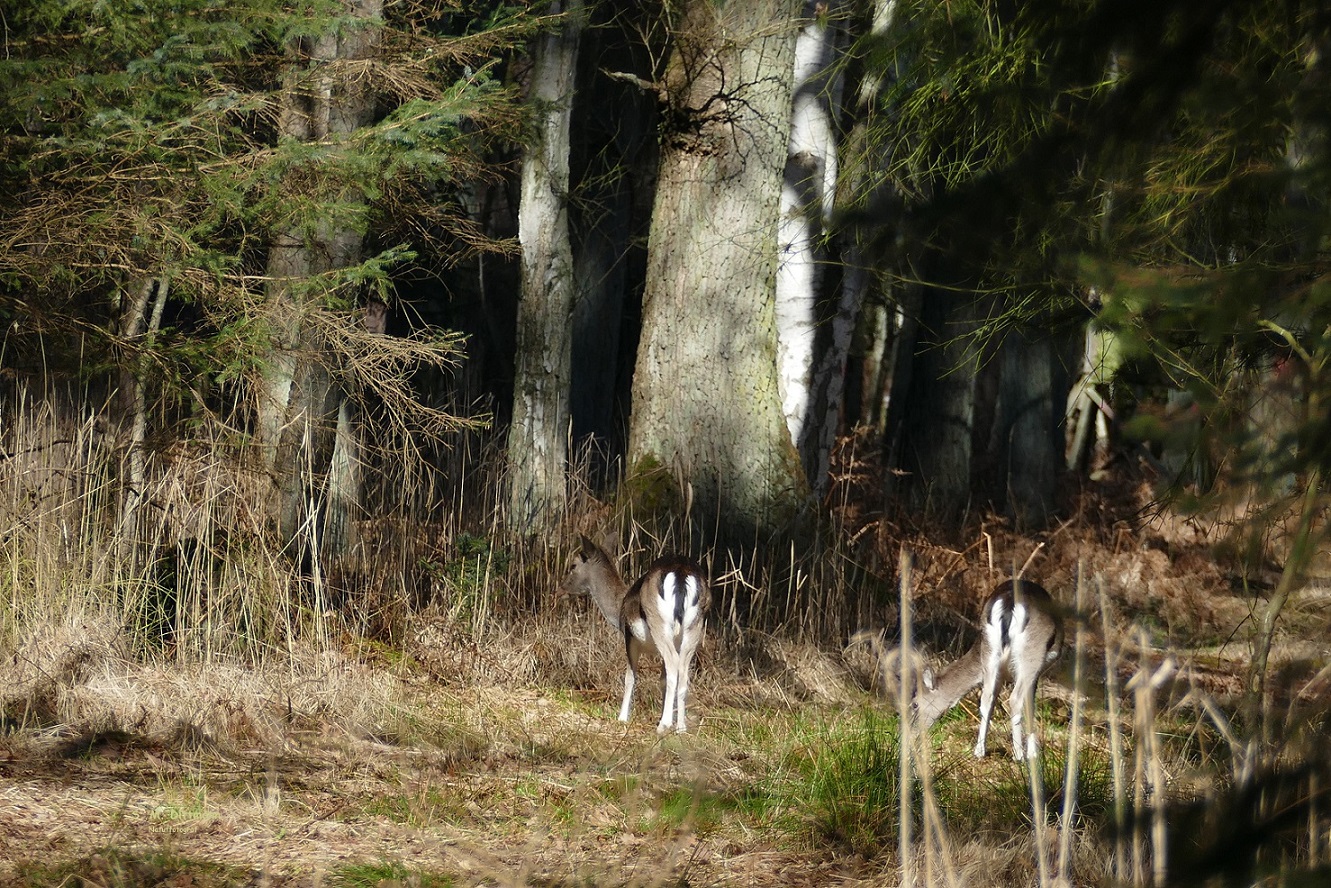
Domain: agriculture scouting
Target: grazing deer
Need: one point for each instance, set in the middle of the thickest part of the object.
(1022, 635)
(665, 608)
(919, 677)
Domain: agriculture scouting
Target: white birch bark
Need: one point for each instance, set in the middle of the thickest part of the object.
(855, 182)
(807, 196)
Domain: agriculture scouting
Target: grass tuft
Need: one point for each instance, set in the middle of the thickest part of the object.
(848, 788)
(383, 875)
(123, 868)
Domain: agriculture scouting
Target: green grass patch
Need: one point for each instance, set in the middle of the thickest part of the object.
(376, 875)
(995, 795)
(704, 812)
(844, 784)
(425, 808)
(117, 868)
(619, 787)
(840, 787)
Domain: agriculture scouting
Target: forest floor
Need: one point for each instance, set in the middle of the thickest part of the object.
(495, 767)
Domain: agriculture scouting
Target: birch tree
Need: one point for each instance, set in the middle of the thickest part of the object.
(813, 327)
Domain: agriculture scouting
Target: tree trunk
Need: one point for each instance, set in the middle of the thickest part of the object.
(614, 165)
(807, 195)
(705, 393)
(937, 410)
(324, 99)
(1027, 427)
(538, 436)
(138, 328)
(816, 307)
(849, 378)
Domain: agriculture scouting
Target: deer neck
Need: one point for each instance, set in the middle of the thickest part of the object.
(951, 686)
(607, 590)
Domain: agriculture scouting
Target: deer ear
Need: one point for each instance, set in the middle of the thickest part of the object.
(927, 676)
(609, 544)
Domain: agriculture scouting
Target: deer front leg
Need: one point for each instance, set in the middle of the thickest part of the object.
(632, 648)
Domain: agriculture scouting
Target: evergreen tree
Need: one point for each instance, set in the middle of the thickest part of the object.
(186, 184)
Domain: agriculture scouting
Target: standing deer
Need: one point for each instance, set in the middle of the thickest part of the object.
(665, 608)
(1022, 635)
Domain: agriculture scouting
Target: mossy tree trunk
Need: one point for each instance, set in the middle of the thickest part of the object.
(705, 393)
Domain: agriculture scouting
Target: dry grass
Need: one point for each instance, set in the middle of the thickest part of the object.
(182, 705)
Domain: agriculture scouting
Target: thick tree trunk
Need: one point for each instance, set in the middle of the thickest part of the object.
(538, 436)
(937, 410)
(299, 405)
(705, 392)
(1027, 430)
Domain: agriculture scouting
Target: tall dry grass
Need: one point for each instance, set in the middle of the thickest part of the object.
(184, 618)
(190, 621)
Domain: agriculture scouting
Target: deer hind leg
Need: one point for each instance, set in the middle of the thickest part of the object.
(1021, 705)
(633, 648)
(991, 662)
(670, 655)
(688, 647)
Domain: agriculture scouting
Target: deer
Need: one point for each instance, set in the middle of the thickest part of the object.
(1022, 635)
(665, 609)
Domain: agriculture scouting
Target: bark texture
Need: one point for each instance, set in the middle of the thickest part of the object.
(326, 97)
(538, 436)
(705, 394)
(815, 311)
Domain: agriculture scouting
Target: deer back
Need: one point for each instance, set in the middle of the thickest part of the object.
(1030, 624)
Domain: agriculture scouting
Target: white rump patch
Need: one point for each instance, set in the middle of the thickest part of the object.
(1019, 620)
(665, 602)
(693, 589)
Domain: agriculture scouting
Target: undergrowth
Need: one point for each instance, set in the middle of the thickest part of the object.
(439, 638)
